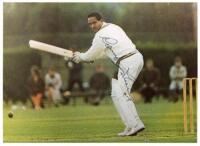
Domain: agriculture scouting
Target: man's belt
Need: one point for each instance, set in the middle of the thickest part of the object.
(124, 57)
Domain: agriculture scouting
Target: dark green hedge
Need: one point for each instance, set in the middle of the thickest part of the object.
(164, 58)
(17, 67)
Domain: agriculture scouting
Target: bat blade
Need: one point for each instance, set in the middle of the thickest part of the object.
(50, 48)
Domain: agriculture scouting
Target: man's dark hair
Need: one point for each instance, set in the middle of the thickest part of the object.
(96, 15)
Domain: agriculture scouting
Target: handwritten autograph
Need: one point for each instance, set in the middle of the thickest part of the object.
(109, 43)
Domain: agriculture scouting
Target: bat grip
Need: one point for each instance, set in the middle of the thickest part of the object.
(88, 61)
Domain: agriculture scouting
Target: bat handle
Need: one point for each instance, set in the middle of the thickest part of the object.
(88, 61)
(70, 59)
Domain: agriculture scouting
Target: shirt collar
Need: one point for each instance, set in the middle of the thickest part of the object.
(104, 25)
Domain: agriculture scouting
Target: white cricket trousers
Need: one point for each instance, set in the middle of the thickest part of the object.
(129, 70)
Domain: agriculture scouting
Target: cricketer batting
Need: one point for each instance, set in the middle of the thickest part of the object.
(110, 40)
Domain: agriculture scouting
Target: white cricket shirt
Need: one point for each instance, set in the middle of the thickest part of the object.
(109, 41)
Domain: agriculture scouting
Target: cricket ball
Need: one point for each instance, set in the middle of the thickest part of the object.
(10, 114)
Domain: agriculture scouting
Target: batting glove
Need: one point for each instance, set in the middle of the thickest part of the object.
(76, 57)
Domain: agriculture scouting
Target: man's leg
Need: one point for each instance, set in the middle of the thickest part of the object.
(126, 110)
(49, 96)
(115, 94)
(128, 73)
(38, 100)
(150, 94)
(70, 85)
(33, 98)
(80, 84)
(126, 107)
(56, 97)
(144, 93)
(173, 92)
(130, 113)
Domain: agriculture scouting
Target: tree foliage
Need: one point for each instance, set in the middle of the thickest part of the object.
(28, 18)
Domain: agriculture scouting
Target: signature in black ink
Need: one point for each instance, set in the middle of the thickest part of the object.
(109, 41)
(127, 77)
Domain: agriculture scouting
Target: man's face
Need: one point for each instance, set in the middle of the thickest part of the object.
(94, 24)
(51, 73)
(178, 64)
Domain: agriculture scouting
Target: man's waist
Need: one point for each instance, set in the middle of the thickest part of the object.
(125, 56)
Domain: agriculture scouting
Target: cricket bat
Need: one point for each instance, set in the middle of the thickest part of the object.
(50, 48)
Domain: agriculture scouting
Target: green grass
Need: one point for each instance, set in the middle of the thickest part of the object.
(85, 123)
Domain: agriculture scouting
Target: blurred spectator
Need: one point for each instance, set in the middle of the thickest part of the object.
(53, 85)
(99, 84)
(36, 87)
(75, 73)
(150, 78)
(177, 73)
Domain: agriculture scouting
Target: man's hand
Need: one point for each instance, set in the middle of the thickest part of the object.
(66, 58)
(76, 57)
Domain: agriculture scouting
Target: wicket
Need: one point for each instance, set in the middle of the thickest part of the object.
(185, 113)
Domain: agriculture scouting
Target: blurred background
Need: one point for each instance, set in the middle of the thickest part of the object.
(160, 31)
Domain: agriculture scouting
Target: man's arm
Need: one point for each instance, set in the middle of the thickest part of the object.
(184, 72)
(96, 51)
(172, 73)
